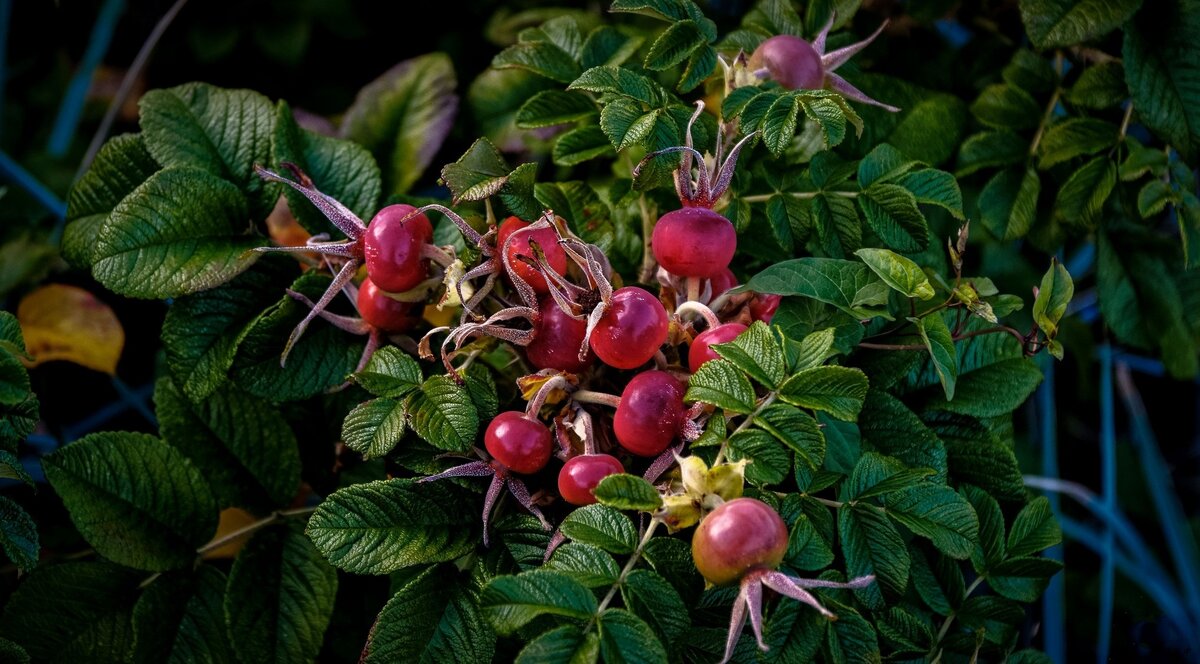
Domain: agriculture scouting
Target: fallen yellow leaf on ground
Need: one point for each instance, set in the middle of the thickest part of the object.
(68, 323)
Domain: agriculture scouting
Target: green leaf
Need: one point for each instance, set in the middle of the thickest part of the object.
(847, 285)
(837, 224)
(769, 460)
(1100, 86)
(390, 373)
(668, 10)
(939, 513)
(1153, 199)
(1023, 579)
(674, 45)
(838, 391)
(940, 584)
(931, 130)
(11, 468)
(17, 421)
(279, 598)
(580, 145)
(940, 344)
(181, 231)
(850, 638)
(430, 619)
(1072, 138)
(180, 618)
(134, 498)
(797, 430)
(1034, 529)
(807, 549)
(901, 273)
(1081, 198)
(74, 612)
(1008, 202)
(933, 187)
(890, 427)
(222, 132)
(322, 358)
(621, 82)
(990, 149)
(756, 352)
(990, 550)
(607, 45)
(479, 173)
(1031, 72)
(628, 492)
(700, 66)
(788, 217)
(341, 169)
(374, 427)
(241, 444)
(403, 117)
(877, 475)
(201, 332)
(624, 123)
(443, 414)
(976, 456)
(1142, 160)
(892, 212)
(672, 559)
(1004, 107)
(872, 545)
(600, 526)
(779, 124)
(510, 602)
(814, 349)
(563, 645)
(18, 535)
(1162, 68)
(721, 384)
(586, 564)
(906, 632)
(655, 601)
(1058, 23)
(383, 526)
(1053, 296)
(625, 638)
(543, 58)
(993, 390)
(883, 164)
(554, 107)
(120, 166)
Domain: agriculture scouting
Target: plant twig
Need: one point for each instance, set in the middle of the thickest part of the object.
(1049, 112)
(957, 337)
(763, 198)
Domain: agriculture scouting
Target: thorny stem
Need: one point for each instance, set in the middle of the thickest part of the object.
(950, 620)
(958, 337)
(648, 262)
(694, 307)
(1049, 112)
(763, 198)
(828, 502)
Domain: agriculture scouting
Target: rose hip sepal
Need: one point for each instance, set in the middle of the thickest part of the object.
(744, 539)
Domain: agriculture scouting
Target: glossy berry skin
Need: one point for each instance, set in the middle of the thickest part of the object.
(632, 329)
(385, 314)
(721, 282)
(699, 352)
(790, 61)
(740, 535)
(580, 475)
(392, 248)
(556, 340)
(546, 238)
(693, 242)
(764, 306)
(649, 414)
(517, 442)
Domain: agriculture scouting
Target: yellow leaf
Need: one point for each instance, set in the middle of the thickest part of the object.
(232, 520)
(68, 323)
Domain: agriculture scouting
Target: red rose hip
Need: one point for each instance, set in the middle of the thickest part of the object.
(694, 242)
(699, 352)
(546, 238)
(556, 340)
(580, 475)
(632, 329)
(385, 314)
(517, 442)
(392, 248)
(648, 416)
(740, 535)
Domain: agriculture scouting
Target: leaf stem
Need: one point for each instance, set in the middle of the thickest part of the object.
(950, 619)
(629, 565)
(648, 262)
(762, 405)
(957, 337)
(602, 398)
(763, 198)
(1049, 112)
(273, 518)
